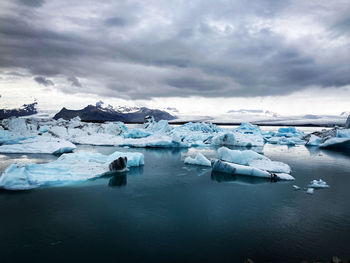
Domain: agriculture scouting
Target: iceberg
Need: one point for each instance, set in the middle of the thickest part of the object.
(136, 133)
(39, 144)
(270, 166)
(310, 191)
(224, 139)
(318, 184)
(68, 168)
(285, 140)
(296, 187)
(336, 143)
(314, 140)
(233, 168)
(289, 132)
(7, 137)
(239, 157)
(200, 159)
(253, 163)
(334, 138)
(286, 136)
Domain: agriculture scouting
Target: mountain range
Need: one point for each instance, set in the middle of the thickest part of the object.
(98, 114)
(25, 110)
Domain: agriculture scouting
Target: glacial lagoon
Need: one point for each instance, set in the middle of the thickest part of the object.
(167, 211)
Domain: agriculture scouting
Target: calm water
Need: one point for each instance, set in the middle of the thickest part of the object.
(170, 212)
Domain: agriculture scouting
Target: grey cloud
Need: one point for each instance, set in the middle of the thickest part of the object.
(211, 49)
(32, 3)
(115, 21)
(195, 84)
(75, 82)
(44, 81)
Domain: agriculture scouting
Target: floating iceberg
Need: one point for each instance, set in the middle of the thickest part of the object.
(239, 157)
(136, 133)
(314, 140)
(285, 140)
(233, 168)
(251, 163)
(7, 137)
(296, 187)
(333, 138)
(336, 142)
(66, 169)
(310, 191)
(270, 166)
(318, 184)
(286, 136)
(39, 144)
(200, 159)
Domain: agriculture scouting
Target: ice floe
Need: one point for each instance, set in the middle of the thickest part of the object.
(250, 163)
(39, 144)
(233, 168)
(68, 168)
(161, 134)
(200, 159)
(333, 138)
(295, 187)
(318, 184)
(310, 191)
(239, 157)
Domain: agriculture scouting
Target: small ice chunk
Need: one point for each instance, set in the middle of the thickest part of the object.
(318, 184)
(200, 159)
(310, 191)
(296, 187)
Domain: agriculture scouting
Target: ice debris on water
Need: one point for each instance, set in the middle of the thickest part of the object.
(200, 159)
(296, 187)
(318, 184)
(310, 191)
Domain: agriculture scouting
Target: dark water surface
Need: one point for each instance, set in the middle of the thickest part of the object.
(170, 212)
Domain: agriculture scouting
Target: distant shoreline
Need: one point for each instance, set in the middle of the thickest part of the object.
(233, 123)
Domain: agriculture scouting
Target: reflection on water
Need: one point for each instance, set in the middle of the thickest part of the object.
(239, 179)
(118, 180)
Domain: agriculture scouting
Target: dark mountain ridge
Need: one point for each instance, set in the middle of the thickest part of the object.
(25, 110)
(99, 114)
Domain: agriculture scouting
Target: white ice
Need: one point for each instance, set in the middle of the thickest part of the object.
(239, 157)
(233, 168)
(68, 168)
(296, 187)
(39, 144)
(318, 184)
(310, 191)
(200, 159)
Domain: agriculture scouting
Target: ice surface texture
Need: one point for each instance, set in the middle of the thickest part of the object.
(68, 168)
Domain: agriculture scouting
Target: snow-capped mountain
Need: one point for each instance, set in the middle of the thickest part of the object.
(109, 113)
(25, 110)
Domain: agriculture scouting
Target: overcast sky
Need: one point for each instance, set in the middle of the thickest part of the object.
(292, 57)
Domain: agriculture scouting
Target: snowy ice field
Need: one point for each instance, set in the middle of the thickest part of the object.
(49, 136)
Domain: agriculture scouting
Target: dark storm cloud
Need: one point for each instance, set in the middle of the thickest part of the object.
(44, 81)
(207, 48)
